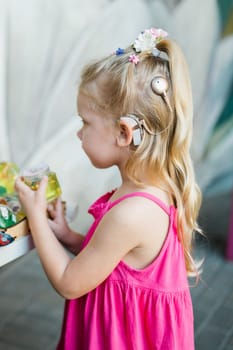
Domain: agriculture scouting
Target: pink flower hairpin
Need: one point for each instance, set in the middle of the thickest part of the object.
(134, 59)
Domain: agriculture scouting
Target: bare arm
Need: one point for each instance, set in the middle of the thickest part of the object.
(119, 232)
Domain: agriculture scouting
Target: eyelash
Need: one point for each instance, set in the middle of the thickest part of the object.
(83, 121)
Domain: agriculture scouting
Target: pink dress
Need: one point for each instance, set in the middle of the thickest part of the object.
(134, 309)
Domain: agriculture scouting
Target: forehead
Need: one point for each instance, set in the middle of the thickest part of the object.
(84, 97)
(85, 102)
(87, 105)
(89, 112)
(89, 90)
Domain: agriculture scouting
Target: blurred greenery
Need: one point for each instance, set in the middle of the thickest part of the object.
(227, 110)
(226, 13)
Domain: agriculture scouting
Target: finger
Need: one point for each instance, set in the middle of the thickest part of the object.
(51, 211)
(43, 185)
(59, 207)
(51, 223)
(20, 186)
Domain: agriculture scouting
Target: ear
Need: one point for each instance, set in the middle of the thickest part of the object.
(125, 135)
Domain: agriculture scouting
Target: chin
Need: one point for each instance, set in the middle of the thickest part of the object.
(101, 165)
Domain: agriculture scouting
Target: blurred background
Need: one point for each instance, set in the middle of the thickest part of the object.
(43, 47)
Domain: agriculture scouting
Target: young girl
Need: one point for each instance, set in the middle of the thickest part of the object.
(127, 285)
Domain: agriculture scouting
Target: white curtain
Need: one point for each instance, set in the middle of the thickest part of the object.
(43, 47)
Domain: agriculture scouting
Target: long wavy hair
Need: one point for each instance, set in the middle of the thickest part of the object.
(119, 87)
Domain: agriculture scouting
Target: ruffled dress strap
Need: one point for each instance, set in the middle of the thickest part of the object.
(103, 204)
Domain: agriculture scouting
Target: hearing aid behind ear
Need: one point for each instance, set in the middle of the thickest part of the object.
(159, 85)
(136, 128)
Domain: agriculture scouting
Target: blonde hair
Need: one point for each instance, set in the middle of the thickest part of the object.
(120, 87)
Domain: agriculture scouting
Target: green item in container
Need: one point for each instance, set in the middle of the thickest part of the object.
(7, 217)
(2, 191)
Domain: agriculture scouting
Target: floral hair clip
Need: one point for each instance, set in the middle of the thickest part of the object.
(134, 59)
(119, 51)
(147, 40)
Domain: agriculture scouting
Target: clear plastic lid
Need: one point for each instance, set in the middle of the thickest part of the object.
(37, 171)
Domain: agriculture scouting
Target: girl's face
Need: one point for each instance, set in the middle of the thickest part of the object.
(98, 135)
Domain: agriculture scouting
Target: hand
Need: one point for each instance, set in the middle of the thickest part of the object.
(33, 202)
(58, 222)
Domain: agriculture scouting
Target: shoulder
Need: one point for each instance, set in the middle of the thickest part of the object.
(138, 202)
(132, 229)
(136, 211)
(141, 225)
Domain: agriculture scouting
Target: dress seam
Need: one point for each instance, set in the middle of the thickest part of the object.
(136, 285)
